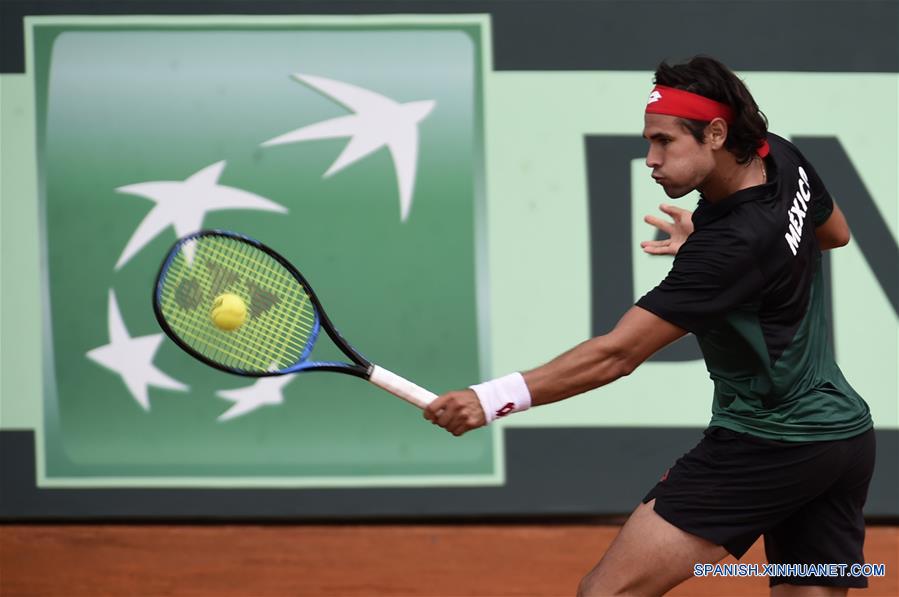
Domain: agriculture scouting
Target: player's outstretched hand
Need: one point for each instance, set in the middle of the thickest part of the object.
(457, 412)
(678, 230)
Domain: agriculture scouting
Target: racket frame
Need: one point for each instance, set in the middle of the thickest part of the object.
(359, 367)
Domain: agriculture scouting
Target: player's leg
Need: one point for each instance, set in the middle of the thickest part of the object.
(698, 512)
(648, 557)
(830, 529)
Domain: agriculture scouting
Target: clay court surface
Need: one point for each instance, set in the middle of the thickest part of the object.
(340, 560)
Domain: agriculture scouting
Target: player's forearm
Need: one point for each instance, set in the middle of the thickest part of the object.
(591, 364)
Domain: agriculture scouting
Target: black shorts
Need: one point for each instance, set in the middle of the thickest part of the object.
(805, 498)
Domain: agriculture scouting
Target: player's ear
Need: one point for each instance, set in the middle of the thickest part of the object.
(716, 133)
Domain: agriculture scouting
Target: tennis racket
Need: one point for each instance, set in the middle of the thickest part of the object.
(282, 317)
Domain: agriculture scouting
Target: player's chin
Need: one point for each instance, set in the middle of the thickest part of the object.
(676, 192)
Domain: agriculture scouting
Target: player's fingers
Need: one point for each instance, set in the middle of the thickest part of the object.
(435, 408)
(458, 427)
(659, 250)
(446, 419)
(673, 210)
(470, 416)
(660, 224)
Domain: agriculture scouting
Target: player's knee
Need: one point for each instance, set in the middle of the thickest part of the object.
(605, 580)
(595, 583)
(584, 587)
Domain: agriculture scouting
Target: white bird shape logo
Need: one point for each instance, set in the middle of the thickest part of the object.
(183, 204)
(377, 121)
(266, 391)
(131, 357)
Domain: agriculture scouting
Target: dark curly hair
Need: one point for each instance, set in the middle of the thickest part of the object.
(709, 78)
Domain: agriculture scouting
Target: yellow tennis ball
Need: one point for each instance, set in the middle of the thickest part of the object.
(229, 312)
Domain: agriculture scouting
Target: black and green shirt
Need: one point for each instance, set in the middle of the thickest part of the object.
(748, 284)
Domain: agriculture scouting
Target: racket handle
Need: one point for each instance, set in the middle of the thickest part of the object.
(401, 387)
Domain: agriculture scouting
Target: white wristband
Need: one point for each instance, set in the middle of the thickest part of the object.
(503, 396)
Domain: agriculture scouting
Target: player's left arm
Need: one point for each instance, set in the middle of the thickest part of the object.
(831, 229)
(831, 234)
(834, 232)
(591, 364)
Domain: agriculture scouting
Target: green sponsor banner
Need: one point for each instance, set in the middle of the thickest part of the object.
(444, 295)
(315, 139)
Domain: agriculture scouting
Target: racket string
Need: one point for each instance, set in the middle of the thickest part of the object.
(252, 346)
(261, 323)
(283, 323)
(214, 346)
(281, 333)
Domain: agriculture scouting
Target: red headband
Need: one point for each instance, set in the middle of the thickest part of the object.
(677, 102)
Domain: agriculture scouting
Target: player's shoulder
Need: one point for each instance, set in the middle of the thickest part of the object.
(730, 234)
(726, 240)
(742, 233)
(785, 153)
(780, 145)
(754, 225)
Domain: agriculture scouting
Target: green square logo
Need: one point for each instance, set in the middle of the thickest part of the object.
(354, 147)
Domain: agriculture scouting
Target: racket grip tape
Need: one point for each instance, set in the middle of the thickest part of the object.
(401, 387)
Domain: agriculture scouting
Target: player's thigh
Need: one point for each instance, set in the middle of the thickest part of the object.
(648, 557)
(831, 527)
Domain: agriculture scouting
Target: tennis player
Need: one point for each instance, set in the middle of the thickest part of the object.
(789, 450)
